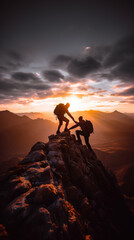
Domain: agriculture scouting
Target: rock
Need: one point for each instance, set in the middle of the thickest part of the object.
(61, 191)
(45, 194)
(38, 176)
(38, 146)
(74, 195)
(21, 185)
(34, 156)
(85, 207)
(3, 233)
(19, 205)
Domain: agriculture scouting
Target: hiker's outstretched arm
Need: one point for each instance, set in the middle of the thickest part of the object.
(74, 126)
(69, 114)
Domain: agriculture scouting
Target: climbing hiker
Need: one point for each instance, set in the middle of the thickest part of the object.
(59, 111)
(86, 129)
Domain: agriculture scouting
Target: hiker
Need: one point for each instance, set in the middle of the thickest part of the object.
(59, 111)
(86, 129)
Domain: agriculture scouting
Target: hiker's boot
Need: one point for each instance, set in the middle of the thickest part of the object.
(79, 142)
(66, 130)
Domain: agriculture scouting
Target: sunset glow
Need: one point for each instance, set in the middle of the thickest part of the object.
(74, 103)
(90, 67)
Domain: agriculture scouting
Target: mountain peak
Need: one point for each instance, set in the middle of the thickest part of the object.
(60, 190)
(6, 112)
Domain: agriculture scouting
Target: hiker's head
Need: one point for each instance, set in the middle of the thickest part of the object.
(80, 118)
(67, 105)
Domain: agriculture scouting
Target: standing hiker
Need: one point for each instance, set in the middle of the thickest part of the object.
(59, 111)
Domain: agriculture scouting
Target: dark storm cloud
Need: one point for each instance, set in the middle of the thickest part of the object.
(82, 67)
(61, 61)
(124, 70)
(53, 75)
(3, 69)
(12, 89)
(99, 53)
(14, 55)
(15, 60)
(13, 66)
(7, 85)
(109, 62)
(21, 76)
(72, 79)
(125, 93)
(122, 51)
(120, 60)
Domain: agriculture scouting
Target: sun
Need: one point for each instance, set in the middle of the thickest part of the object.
(74, 103)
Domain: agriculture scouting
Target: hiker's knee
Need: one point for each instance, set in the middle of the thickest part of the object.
(67, 120)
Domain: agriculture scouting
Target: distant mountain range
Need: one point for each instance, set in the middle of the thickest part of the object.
(113, 133)
(48, 115)
(18, 133)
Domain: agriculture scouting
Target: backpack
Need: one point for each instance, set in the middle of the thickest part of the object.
(89, 126)
(59, 109)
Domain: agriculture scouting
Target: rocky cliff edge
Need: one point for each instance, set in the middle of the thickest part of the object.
(60, 191)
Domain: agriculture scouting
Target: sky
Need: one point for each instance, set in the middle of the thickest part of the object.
(80, 52)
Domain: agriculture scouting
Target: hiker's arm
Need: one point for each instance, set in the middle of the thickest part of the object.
(69, 114)
(74, 126)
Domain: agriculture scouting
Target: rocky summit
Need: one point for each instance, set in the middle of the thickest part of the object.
(61, 191)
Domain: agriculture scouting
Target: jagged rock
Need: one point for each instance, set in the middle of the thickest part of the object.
(38, 146)
(34, 156)
(3, 233)
(45, 194)
(18, 186)
(61, 191)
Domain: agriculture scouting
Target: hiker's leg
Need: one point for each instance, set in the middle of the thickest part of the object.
(67, 122)
(87, 143)
(60, 124)
(78, 133)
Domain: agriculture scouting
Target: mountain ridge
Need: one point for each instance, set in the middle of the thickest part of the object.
(109, 135)
(60, 190)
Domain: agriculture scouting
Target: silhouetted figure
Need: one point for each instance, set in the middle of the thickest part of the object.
(59, 111)
(86, 129)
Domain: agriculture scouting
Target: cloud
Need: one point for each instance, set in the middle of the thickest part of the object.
(3, 69)
(121, 51)
(124, 70)
(102, 62)
(10, 84)
(120, 60)
(14, 55)
(99, 52)
(82, 67)
(61, 61)
(10, 89)
(21, 76)
(127, 92)
(78, 67)
(129, 100)
(111, 62)
(53, 75)
(13, 61)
